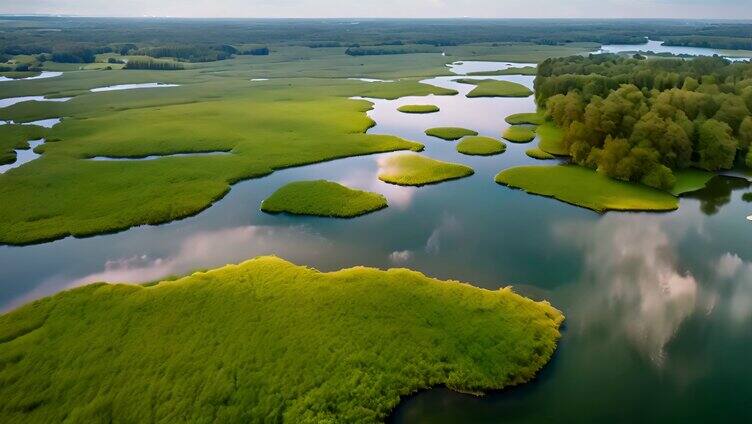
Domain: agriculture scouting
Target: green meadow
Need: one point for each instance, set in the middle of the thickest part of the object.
(450, 133)
(519, 134)
(586, 188)
(412, 169)
(265, 340)
(494, 88)
(322, 198)
(418, 108)
(481, 146)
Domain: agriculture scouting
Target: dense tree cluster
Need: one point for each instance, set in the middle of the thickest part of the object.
(154, 65)
(189, 53)
(732, 43)
(638, 120)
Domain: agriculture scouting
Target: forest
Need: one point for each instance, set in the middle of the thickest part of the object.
(639, 120)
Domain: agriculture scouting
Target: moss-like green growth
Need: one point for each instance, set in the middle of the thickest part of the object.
(551, 139)
(481, 146)
(322, 198)
(416, 170)
(264, 341)
(537, 153)
(522, 70)
(518, 134)
(14, 137)
(586, 188)
(450, 133)
(689, 180)
(534, 118)
(418, 108)
(494, 88)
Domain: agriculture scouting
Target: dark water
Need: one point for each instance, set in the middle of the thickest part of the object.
(658, 306)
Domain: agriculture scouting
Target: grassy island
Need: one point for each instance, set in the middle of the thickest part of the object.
(322, 198)
(586, 188)
(450, 133)
(518, 134)
(494, 88)
(418, 108)
(481, 146)
(521, 70)
(532, 118)
(265, 340)
(14, 137)
(537, 153)
(416, 170)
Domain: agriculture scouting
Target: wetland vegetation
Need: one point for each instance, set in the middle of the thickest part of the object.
(480, 146)
(519, 134)
(322, 198)
(418, 108)
(450, 133)
(417, 170)
(495, 88)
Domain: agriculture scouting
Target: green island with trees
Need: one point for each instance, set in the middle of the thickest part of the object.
(322, 198)
(265, 339)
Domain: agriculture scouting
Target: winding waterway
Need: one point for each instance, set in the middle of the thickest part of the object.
(658, 306)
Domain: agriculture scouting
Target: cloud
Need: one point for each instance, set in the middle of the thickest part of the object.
(737, 276)
(448, 227)
(400, 256)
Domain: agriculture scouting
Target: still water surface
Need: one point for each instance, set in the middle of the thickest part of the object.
(658, 306)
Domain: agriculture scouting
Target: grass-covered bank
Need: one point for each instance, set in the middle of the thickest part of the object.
(322, 198)
(265, 340)
(415, 170)
(530, 118)
(586, 188)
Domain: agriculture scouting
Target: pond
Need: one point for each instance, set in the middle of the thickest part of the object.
(658, 47)
(658, 306)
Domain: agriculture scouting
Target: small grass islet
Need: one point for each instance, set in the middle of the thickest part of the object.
(519, 134)
(264, 341)
(494, 88)
(521, 70)
(416, 170)
(480, 146)
(450, 133)
(532, 118)
(322, 198)
(418, 109)
(537, 153)
(586, 188)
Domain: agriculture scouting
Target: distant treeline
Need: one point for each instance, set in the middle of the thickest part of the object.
(731, 43)
(156, 65)
(389, 49)
(639, 120)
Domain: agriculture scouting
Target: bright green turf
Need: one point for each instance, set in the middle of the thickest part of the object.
(537, 153)
(689, 180)
(551, 139)
(518, 134)
(450, 133)
(264, 341)
(586, 188)
(522, 70)
(482, 146)
(534, 118)
(493, 88)
(418, 108)
(322, 198)
(415, 170)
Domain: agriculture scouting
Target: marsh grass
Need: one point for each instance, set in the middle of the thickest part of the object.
(519, 134)
(264, 341)
(537, 153)
(521, 70)
(322, 198)
(418, 108)
(450, 133)
(586, 188)
(534, 118)
(415, 170)
(494, 88)
(551, 139)
(481, 146)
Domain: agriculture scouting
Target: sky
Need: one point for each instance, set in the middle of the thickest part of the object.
(703, 9)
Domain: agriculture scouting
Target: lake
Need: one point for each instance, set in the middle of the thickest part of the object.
(658, 47)
(658, 306)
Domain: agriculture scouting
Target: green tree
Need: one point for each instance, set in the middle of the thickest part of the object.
(716, 147)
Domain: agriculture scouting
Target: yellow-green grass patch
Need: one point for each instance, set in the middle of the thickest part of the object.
(481, 146)
(494, 88)
(415, 170)
(322, 198)
(265, 341)
(551, 139)
(537, 153)
(532, 118)
(519, 134)
(586, 188)
(520, 70)
(418, 108)
(450, 133)
(689, 180)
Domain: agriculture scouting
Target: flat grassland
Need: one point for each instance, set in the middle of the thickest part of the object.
(586, 188)
(418, 108)
(494, 88)
(518, 134)
(322, 198)
(265, 340)
(450, 133)
(481, 146)
(412, 169)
